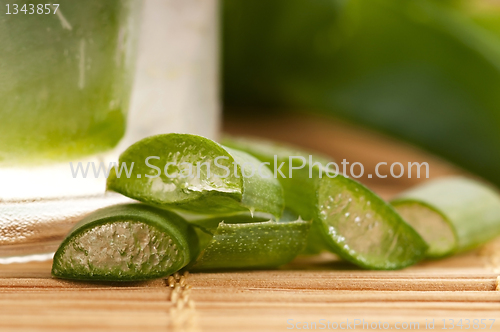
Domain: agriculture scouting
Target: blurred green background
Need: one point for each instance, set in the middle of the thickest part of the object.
(425, 71)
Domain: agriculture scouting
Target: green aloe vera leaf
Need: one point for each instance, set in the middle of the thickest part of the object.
(298, 202)
(126, 242)
(221, 189)
(414, 69)
(348, 219)
(430, 224)
(252, 245)
(363, 229)
(452, 214)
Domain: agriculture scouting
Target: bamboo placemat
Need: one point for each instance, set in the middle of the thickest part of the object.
(461, 287)
(308, 293)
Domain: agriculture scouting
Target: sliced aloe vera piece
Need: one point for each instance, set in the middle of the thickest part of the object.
(297, 201)
(431, 225)
(300, 191)
(452, 214)
(362, 228)
(126, 243)
(222, 190)
(348, 219)
(252, 245)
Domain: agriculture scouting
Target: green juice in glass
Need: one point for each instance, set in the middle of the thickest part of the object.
(65, 78)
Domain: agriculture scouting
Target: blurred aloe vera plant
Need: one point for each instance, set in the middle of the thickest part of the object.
(427, 71)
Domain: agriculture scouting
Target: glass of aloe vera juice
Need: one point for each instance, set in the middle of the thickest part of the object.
(66, 73)
(79, 82)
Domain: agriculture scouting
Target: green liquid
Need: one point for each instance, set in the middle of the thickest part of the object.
(64, 79)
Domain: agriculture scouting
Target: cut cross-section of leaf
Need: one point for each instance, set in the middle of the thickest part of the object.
(126, 243)
(362, 228)
(191, 173)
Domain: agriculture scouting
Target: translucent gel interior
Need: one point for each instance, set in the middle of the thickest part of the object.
(120, 249)
(430, 225)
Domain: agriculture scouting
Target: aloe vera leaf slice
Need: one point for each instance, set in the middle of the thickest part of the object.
(223, 190)
(252, 245)
(469, 211)
(434, 228)
(348, 218)
(362, 228)
(297, 201)
(300, 191)
(126, 242)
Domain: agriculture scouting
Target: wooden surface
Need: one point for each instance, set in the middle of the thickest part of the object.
(456, 288)
(320, 290)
